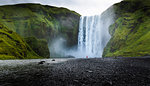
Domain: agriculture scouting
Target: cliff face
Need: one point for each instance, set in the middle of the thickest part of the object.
(41, 22)
(12, 46)
(39, 46)
(130, 33)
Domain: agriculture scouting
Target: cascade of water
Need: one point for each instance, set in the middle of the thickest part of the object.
(93, 36)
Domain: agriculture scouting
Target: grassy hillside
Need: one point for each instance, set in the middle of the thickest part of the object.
(12, 46)
(131, 30)
(40, 22)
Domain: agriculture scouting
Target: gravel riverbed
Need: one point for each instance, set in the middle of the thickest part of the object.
(76, 72)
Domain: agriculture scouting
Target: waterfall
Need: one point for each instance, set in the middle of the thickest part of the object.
(93, 36)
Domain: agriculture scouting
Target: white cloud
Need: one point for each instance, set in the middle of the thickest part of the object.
(84, 7)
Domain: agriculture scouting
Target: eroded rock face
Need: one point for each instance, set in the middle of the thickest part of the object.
(41, 22)
(39, 46)
(131, 30)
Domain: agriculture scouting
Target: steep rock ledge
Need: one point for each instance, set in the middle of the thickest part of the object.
(12, 46)
(131, 30)
(41, 22)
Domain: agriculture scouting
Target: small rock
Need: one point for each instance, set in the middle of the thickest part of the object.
(107, 83)
(48, 63)
(53, 59)
(83, 85)
(148, 76)
(41, 62)
(89, 71)
(75, 80)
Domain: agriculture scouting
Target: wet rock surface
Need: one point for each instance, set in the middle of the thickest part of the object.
(79, 72)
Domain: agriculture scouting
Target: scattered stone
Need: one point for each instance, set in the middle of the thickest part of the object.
(79, 72)
(89, 71)
(75, 80)
(6, 84)
(107, 83)
(83, 85)
(48, 63)
(41, 62)
(53, 59)
(147, 76)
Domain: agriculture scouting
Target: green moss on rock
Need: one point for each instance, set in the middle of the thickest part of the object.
(131, 30)
(12, 46)
(41, 22)
(39, 46)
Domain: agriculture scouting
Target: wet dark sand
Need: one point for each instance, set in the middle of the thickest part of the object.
(79, 72)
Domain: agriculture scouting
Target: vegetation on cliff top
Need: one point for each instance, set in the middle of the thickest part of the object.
(12, 46)
(131, 30)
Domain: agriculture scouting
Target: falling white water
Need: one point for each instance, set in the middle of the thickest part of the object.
(93, 36)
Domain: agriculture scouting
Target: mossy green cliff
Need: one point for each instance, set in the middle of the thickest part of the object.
(41, 22)
(131, 30)
(12, 46)
(40, 46)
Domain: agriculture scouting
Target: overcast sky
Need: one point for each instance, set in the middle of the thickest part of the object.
(84, 7)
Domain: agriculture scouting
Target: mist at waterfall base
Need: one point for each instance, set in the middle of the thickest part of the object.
(93, 36)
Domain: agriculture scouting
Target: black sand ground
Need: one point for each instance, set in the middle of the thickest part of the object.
(80, 72)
